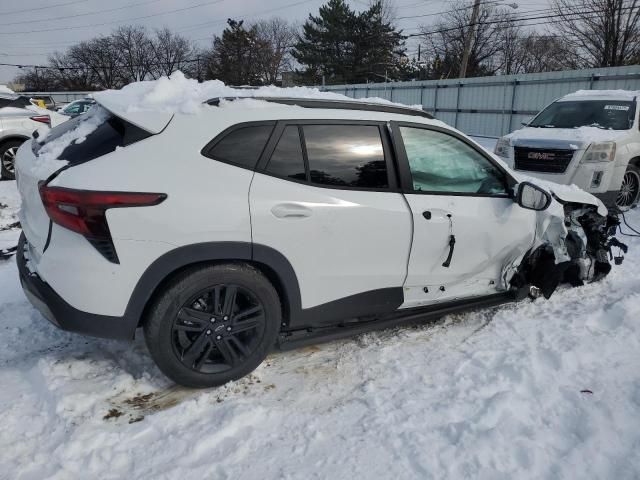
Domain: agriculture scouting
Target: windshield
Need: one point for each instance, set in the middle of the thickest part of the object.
(606, 114)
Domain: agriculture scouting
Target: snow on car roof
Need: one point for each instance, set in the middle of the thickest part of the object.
(178, 94)
(619, 94)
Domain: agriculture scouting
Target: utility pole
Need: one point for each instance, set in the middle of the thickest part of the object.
(467, 41)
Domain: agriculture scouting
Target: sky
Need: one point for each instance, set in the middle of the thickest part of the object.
(31, 30)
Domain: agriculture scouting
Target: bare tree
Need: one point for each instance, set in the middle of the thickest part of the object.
(446, 40)
(546, 53)
(605, 32)
(136, 50)
(171, 52)
(38, 79)
(388, 9)
(71, 76)
(278, 36)
(102, 57)
(511, 55)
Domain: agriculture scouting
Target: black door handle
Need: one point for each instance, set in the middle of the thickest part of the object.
(427, 214)
(452, 242)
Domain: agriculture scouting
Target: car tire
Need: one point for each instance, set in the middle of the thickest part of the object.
(630, 189)
(199, 329)
(8, 152)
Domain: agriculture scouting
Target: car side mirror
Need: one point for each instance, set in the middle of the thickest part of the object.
(532, 197)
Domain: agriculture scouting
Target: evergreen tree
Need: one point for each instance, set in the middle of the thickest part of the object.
(349, 47)
(235, 56)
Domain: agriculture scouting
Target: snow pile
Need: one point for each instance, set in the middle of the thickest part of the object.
(48, 159)
(542, 389)
(178, 94)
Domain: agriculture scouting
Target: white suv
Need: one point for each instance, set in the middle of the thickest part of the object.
(590, 138)
(19, 118)
(278, 222)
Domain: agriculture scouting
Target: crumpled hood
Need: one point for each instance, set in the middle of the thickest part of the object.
(562, 138)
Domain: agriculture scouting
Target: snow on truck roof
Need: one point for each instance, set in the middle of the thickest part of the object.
(177, 94)
(610, 94)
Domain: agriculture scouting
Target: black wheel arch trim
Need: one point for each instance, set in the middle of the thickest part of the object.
(370, 310)
(273, 264)
(12, 137)
(179, 258)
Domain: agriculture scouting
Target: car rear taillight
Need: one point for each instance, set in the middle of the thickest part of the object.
(42, 119)
(84, 211)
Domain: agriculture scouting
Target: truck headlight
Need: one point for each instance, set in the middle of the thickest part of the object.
(599, 152)
(502, 147)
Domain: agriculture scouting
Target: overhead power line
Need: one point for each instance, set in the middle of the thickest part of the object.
(517, 20)
(588, 13)
(97, 12)
(128, 20)
(197, 26)
(26, 10)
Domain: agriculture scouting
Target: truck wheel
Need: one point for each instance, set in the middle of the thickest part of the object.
(213, 324)
(8, 151)
(630, 189)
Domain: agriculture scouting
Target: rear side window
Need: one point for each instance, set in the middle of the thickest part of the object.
(112, 132)
(241, 146)
(287, 159)
(346, 156)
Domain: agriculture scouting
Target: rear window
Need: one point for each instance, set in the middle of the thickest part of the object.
(241, 146)
(110, 133)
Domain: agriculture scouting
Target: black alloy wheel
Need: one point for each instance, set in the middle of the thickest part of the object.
(212, 324)
(630, 189)
(8, 152)
(218, 328)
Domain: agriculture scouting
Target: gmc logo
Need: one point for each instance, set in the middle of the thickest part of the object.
(540, 156)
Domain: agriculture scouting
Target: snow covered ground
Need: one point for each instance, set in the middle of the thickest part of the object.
(543, 389)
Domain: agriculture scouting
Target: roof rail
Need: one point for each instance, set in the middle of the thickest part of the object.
(331, 104)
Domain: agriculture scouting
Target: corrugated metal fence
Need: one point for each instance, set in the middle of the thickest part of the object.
(494, 106)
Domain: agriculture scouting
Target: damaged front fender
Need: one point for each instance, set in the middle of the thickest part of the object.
(573, 244)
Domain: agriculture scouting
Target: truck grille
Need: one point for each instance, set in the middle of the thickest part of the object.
(542, 160)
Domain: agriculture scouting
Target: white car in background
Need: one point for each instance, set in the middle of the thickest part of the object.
(590, 138)
(19, 118)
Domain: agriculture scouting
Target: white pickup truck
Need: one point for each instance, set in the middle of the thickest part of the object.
(590, 138)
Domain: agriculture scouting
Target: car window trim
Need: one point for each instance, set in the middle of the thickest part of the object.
(404, 171)
(388, 151)
(222, 135)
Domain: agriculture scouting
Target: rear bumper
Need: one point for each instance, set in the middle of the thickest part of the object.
(55, 309)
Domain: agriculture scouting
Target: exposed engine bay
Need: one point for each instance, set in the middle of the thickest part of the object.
(575, 250)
